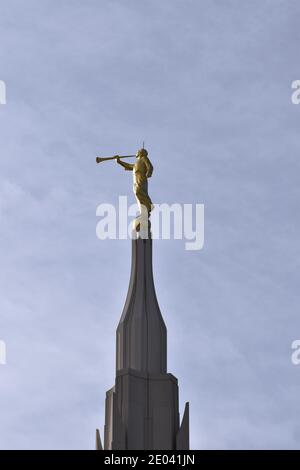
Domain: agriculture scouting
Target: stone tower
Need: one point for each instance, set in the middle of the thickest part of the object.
(142, 409)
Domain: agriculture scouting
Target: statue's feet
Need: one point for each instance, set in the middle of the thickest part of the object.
(136, 224)
(142, 226)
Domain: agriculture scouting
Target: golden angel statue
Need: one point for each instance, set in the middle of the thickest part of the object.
(142, 170)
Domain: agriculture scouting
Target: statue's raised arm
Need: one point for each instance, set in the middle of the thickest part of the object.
(127, 166)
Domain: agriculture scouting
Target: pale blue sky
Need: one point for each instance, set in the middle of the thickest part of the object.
(207, 85)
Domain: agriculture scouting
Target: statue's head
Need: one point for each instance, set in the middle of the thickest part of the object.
(141, 153)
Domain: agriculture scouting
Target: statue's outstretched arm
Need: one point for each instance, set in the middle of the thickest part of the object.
(149, 167)
(127, 166)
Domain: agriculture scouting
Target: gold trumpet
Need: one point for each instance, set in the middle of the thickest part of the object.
(104, 159)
